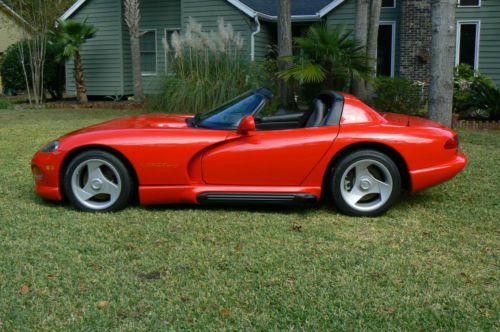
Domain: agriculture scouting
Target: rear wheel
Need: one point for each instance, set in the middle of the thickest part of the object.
(365, 183)
(97, 181)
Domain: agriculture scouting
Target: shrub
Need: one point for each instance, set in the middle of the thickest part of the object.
(206, 69)
(13, 76)
(474, 94)
(11, 70)
(5, 104)
(398, 95)
(328, 59)
(486, 98)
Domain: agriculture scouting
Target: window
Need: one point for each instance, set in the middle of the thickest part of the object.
(386, 48)
(169, 53)
(388, 3)
(469, 3)
(148, 52)
(468, 43)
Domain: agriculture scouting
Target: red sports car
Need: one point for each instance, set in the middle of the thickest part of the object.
(238, 153)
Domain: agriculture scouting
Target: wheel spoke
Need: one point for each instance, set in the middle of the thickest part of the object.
(94, 169)
(362, 170)
(86, 192)
(384, 189)
(354, 196)
(110, 188)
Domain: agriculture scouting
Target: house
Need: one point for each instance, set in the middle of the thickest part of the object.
(404, 37)
(13, 28)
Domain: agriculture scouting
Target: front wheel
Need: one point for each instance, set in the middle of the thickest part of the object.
(97, 181)
(365, 183)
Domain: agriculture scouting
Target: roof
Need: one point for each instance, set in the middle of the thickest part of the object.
(302, 10)
(299, 7)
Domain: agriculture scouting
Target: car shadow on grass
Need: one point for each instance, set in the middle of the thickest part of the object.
(406, 201)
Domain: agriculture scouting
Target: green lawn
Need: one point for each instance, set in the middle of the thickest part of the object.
(431, 263)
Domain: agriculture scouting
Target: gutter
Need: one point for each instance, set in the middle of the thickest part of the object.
(252, 38)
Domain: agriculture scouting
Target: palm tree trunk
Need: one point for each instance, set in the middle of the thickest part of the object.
(81, 90)
(285, 49)
(132, 19)
(137, 71)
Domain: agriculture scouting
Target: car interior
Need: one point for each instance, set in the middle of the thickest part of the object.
(325, 110)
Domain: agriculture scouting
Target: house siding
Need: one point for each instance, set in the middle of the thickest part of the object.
(266, 37)
(344, 15)
(155, 15)
(489, 38)
(11, 31)
(101, 56)
(207, 13)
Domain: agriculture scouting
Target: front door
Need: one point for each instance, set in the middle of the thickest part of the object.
(267, 158)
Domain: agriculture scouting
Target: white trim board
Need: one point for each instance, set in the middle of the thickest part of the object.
(476, 46)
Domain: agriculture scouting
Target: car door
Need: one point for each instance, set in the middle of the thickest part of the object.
(267, 158)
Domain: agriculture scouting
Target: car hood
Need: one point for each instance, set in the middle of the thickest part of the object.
(152, 121)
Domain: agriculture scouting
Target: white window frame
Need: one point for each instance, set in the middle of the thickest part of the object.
(476, 46)
(143, 73)
(468, 6)
(395, 5)
(165, 31)
(393, 44)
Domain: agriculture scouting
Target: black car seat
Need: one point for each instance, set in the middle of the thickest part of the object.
(317, 114)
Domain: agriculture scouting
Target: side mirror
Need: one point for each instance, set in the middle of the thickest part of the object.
(247, 125)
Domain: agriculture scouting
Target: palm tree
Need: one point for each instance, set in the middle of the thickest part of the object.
(72, 35)
(328, 56)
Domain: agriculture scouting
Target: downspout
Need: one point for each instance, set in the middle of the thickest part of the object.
(252, 38)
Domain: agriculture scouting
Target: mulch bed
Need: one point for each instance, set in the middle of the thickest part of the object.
(120, 105)
(475, 124)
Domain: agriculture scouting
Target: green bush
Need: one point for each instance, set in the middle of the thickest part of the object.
(205, 70)
(13, 76)
(11, 70)
(5, 104)
(485, 97)
(398, 95)
(474, 95)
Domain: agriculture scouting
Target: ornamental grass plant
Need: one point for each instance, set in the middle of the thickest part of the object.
(204, 69)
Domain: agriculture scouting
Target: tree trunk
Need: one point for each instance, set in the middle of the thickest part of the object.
(442, 61)
(136, 65)
(81, 90)
(132, 18)
(361, 35)
(371, 47)
(285, 49)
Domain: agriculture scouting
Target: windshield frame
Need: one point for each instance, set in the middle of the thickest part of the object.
(198, 120)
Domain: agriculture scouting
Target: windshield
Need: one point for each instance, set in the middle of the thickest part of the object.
(229, 115)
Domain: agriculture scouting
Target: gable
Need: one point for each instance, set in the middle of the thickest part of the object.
(266, 9)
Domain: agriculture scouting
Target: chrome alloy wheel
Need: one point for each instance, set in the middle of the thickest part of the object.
(366, 185)
(96, 184)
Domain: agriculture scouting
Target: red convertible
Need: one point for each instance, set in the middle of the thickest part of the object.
(240, 154)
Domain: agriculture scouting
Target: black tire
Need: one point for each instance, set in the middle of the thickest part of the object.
(119, 174)
(378, 205)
